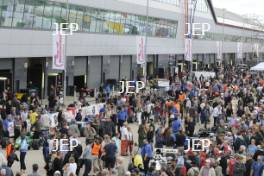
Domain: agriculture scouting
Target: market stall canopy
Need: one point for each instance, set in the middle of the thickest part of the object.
(258, 67)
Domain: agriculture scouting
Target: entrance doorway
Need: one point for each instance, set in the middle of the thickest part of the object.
(55, 80)
(35, 75)
(6, 80)
(79, 82)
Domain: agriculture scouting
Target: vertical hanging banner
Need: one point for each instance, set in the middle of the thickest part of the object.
(58, 55)
(188, 49)
(219, 47)
(256, 49)
(239, 50)
(140, 43)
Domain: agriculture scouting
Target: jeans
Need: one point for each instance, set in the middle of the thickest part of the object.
(87, 167)
(22, 160)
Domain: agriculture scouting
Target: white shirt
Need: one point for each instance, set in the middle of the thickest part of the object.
(149, 107)
(216, 111)
(124, 133)
(72, 167)
(24, 116)
(130, 136)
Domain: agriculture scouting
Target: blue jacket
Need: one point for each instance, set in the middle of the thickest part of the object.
(147, 151)
(122, 115)
(176, 125)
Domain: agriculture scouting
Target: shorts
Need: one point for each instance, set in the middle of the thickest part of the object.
(110, 162)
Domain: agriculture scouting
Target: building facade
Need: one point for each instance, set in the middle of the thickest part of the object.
(105, 45)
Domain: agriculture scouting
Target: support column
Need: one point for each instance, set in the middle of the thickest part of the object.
(70, 76)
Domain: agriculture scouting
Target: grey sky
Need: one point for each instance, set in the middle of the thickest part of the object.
(242, 6)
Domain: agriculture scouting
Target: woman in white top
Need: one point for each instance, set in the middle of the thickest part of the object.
(71, 167)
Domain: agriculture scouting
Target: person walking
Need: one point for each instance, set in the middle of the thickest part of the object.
(130, 141)
(124, 139)
(207, 170)
(87, 158)
(23, 151)
(109, 154)
(71, 167)
(147, 155)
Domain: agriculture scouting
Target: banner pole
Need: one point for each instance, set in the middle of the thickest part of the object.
(65, 64)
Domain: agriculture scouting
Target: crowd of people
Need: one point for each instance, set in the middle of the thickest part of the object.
(227, 110)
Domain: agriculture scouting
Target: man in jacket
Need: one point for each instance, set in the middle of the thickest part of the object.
(147, 154)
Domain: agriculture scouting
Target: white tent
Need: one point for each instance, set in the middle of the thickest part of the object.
(258, 67)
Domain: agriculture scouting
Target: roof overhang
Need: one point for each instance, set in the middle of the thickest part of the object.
(210, 4)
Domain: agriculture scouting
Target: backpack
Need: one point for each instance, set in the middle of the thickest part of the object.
(230, 168)
(238, 167)
(194, 171)
(11, 157)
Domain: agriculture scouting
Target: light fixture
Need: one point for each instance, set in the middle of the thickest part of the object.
(108, 61)
(72, 63)
(47, 64)
(3, 78)
(25, 65)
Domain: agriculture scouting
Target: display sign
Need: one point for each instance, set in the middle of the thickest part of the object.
(256, 49)
(239, 50)
(219, 47)
(140, 43)
(58, 55)
(188, 49)
(163, 83)
(92, 110)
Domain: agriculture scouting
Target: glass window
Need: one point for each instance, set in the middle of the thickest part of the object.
(93, 24)
(57, 13)
(79, 17)
(73, 14)
(128, 26)
(1, 18)
(64, 13)
(47, 16)
(38, 14)
(86, 21)
(18, 14)
(42, 14)
(7, 12)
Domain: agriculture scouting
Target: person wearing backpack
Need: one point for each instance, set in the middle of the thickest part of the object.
(12, 157)
(194, 170)
(207, 170)
(23, 151)
(256, 166)
(230, 167)
(239, 168)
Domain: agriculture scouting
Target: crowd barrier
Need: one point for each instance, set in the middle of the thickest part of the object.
(205, 74)
(51, 119)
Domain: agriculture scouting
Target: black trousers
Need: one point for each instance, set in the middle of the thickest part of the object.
(120, 124)
(22, 160)
(146, 165)
(87, 167)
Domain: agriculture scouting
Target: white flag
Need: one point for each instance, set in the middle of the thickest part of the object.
(219, 47)
(58, 55)
(140, 44)
(239, 50)
(256, 49)
(188, 49)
